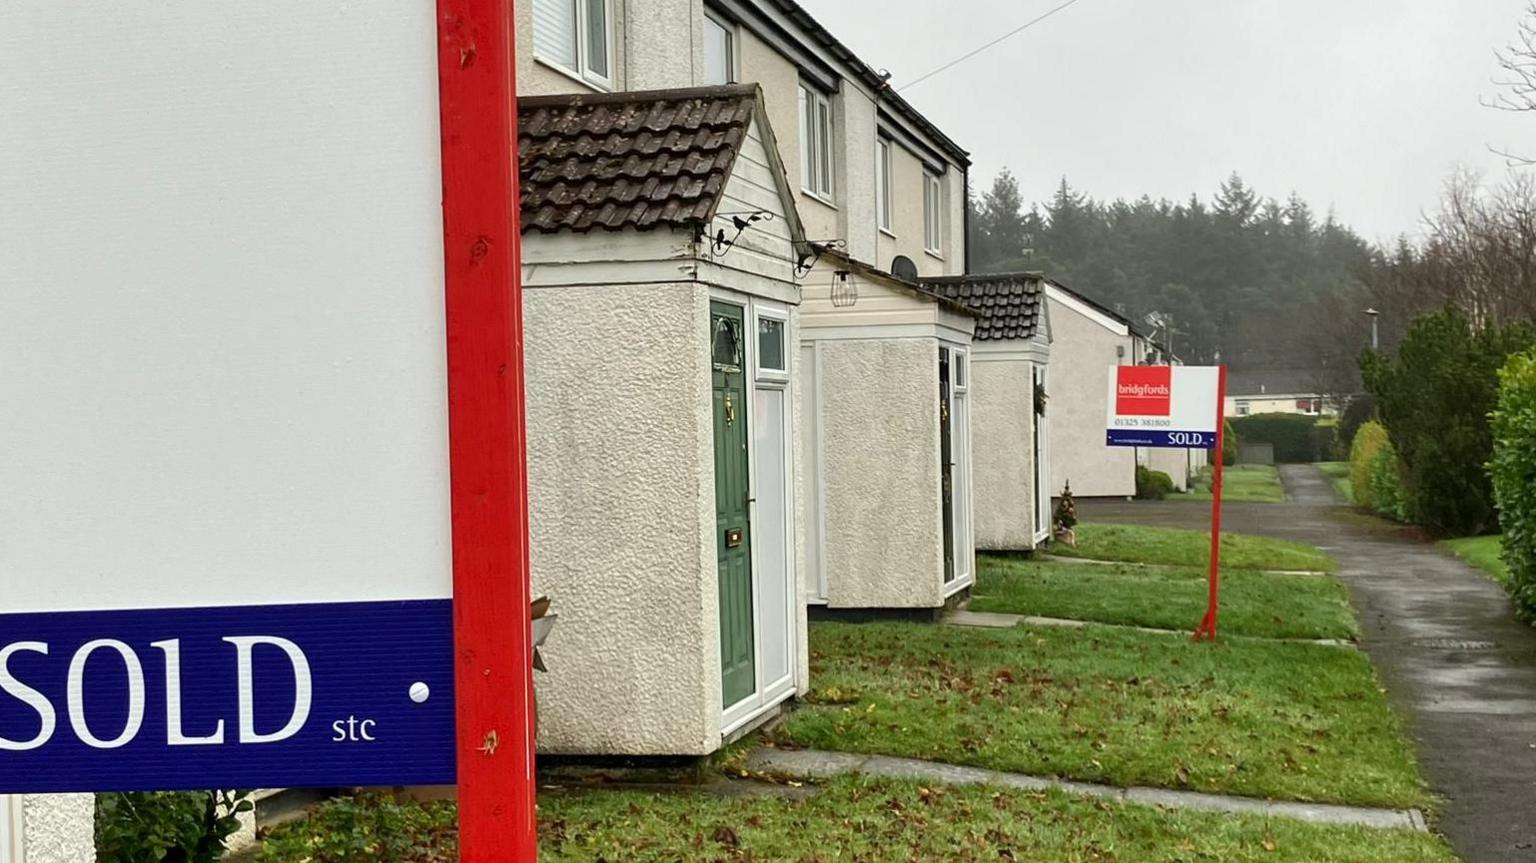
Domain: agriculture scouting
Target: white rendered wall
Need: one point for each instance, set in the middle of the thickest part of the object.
(621, 493)
(1174, 462)
(1002, 430)
(879, 457)
(1082, 351)
(54, 828)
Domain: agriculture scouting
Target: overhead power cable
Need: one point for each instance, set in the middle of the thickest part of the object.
(962, 58)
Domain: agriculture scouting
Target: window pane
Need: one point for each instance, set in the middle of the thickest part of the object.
(717, 52)
(597, 37)
(770, 344)
(554, 31)
(807, 135)
(883, 184)
(824, 142)
(928, 211)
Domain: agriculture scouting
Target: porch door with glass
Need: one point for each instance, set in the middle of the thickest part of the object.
(960, 465)
(732, 502)
(946, 465)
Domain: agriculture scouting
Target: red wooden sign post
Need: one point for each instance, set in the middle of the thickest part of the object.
(492, 631)
(1206, 631)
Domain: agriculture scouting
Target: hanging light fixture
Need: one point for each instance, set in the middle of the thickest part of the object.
(845, 292)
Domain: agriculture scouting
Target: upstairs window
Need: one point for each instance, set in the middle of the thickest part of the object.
(883, 184)
(933, 213)
(719, 52)
(576, 36)
(816, 143)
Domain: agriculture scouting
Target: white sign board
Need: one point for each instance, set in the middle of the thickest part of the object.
(1164, 406)
(225, 551)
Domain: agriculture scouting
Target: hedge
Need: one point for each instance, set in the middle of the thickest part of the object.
(1291, 434)
(1513, 469)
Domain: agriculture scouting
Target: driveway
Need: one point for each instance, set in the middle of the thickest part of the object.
(1449, 649)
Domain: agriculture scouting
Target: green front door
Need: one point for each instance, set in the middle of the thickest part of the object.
(732, 529)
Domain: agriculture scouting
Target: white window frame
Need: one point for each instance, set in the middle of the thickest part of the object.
(10, 830)
(883, 185)
(817, 125)
(732, 52)
(933, 214)
(583, 71)
(964, 537)
(760, 372)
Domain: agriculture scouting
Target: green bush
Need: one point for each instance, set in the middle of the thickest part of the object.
(1368, 441)
(1435, 397)
(1513, 469)
(1290, 434)
(167, 827)
(1389, 498)
(1325, 440)
(1152, 484)
(1229, 443)
(1360, 410)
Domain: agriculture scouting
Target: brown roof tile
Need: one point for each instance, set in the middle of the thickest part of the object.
(1007, 306)
(655, 159)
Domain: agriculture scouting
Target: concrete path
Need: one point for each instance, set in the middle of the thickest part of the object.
(1444, 637)
(999, 620)
(813, 764)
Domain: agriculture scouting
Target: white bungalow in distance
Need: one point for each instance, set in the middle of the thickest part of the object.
(661, 318)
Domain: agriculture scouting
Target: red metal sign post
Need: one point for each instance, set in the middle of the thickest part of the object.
(493, 636)
(1207, 629)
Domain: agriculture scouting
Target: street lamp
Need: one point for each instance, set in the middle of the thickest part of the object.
(1374, 314)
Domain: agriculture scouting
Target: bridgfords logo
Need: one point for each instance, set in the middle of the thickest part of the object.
(1143, 390)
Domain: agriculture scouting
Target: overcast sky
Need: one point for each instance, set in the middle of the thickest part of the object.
(1362, 105)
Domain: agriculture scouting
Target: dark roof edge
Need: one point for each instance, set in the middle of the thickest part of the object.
(621, 96)
(872, 79)
(1129, 324)
(1019, 276)
(869, 269)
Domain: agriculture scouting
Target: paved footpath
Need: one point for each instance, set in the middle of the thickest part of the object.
(1449, 649)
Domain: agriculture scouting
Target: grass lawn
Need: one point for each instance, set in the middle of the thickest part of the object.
(1482, 552)
(1252, 603)
(1138, 544)
(1338, 473)
(1288, 721)
(860, 821)
(1250, 483)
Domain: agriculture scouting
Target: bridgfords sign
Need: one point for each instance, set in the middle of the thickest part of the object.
(1163, 406)
(261, 456)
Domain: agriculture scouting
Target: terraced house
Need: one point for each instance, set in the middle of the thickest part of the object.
(713, 369)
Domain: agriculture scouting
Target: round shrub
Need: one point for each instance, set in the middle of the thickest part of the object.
(1152, 484)
(1369, 440)
(1513, 468)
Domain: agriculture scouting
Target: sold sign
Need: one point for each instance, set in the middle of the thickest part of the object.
(1163, 406)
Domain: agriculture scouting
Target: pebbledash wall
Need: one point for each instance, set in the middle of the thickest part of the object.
(874, 525)
(879, 416)
(621, 469)
(57, 828)
(1008, 516)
